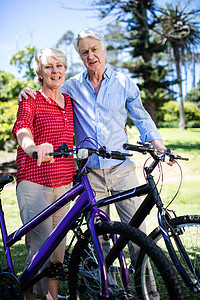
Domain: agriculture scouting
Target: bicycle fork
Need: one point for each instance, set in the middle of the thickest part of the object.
(168, 231)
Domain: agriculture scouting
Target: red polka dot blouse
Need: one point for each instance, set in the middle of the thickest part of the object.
(49, 123)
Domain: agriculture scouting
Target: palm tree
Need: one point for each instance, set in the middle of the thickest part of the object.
(181, 30)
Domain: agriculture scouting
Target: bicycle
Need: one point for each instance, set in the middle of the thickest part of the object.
(169, 235)
(12, 287)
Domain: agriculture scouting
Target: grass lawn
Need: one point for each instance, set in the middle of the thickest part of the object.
(186, 143)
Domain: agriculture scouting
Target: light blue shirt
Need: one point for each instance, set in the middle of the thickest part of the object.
(103, 116)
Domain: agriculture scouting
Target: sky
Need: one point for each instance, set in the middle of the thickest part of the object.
(39, 23)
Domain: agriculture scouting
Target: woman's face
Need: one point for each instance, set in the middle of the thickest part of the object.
(53, 73)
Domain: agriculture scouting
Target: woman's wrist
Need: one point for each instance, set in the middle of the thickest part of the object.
(30, 149)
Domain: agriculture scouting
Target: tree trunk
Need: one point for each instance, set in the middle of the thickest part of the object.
(193, 70)
(150, 108)
(177, 57)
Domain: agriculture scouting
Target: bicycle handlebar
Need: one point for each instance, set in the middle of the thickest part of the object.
(148, 148)
(142, 148)
(84, 153)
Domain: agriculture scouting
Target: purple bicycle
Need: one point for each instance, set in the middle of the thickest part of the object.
(99, 229)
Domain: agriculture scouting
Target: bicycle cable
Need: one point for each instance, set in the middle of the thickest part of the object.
(179, 187)
(161, 177)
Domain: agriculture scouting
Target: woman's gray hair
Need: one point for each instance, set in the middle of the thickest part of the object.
(88, 33)
(39, 57)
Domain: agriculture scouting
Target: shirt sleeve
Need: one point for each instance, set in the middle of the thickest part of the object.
(64, 88)
(140, 117)
(25, 115)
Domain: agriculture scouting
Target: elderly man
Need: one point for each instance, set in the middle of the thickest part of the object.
(101, 100)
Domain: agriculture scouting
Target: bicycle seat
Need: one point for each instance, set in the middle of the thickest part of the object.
(4, 180)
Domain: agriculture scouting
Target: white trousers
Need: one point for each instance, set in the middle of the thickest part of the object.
(32, 199)
(111, 181)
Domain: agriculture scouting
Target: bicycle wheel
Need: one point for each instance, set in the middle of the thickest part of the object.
(84, 280)
(71, 240)
(188, 229)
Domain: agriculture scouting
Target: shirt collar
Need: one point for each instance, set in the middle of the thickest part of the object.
(50, 100)
(107, 73)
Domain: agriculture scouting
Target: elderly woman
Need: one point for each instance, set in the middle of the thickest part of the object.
(42, 125)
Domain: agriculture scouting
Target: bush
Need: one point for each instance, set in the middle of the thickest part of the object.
(10, 87)
(168, 115)
(194, 96)
(8, 111)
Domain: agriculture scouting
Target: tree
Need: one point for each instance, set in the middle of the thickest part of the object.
(168, 115)
(8, 111)
(115, 38)
(9, 91)
(192, 59)
(66, 41)
(194, 96)
(144, 47)
(23, 60)
(180, 29)
(10, 86)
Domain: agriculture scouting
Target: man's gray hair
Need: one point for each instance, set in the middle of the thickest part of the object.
(88, 33)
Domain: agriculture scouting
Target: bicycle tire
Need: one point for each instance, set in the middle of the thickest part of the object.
(189, 228)
(71, 240)
(83, 267)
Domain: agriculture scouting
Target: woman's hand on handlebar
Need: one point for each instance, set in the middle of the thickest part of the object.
(25, 92)
(43, 151)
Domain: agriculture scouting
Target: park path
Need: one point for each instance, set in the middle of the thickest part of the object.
(8, 163)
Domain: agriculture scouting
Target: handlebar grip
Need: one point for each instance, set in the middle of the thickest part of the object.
(35, 155)
(172, 157)
(134, 148)
(118, 156)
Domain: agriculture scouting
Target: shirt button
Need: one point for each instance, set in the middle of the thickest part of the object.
(63, 111)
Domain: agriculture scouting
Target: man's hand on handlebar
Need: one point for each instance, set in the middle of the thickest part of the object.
(165, 155)
(171, 161)
(25, 92)
(160, 147)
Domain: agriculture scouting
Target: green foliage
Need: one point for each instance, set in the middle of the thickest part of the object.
(9, 91)
(8, 111)
(10, 87)
(194, 96)
(168, 115)
(180, 30)
(66, 39)
(23, 60)
(140, 40)
(180, 25)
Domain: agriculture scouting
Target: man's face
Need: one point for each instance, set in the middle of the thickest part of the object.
(92, 54)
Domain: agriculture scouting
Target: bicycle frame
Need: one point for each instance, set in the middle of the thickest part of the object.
(152, 198)
(85, 199)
